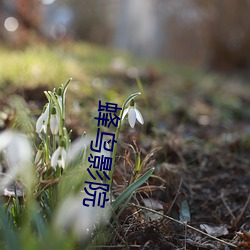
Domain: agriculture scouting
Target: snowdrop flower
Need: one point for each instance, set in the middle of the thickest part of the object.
(17, 152)
(42, 122)
(72, 217)
(54, 121)
(59, 157)
(133, 114)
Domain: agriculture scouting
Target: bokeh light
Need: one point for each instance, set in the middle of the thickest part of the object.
(11, 24)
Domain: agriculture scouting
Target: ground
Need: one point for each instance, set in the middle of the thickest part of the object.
(196, 125)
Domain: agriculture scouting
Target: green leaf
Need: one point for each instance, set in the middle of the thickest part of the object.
(122, 209)
(128, 191)
(185, 212)
(39, 222)
(65, 87)
(11, 237)
(138, 163)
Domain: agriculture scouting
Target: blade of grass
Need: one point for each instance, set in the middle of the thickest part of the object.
(121, 209)
(11, 239)
(128, 191)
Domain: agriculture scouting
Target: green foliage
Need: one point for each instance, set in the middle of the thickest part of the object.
(50, 214)
(34, 64)
(132, 188)
(49, 65)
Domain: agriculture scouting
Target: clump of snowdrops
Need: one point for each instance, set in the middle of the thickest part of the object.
(44, 174)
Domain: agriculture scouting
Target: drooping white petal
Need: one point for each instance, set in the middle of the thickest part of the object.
(55, 156)
(59, 99)
(54, 124)
(44, 127)
(62, 161)
(124, 113)
(64, 154)
(132, 117)
(139, 116)
(39, 123)
(59, 157)
(46, 112)
(133, 114)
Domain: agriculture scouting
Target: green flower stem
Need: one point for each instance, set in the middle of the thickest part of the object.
(117, 135)
(46, 150)
(66, 137)
(65, 87)
(54, 142)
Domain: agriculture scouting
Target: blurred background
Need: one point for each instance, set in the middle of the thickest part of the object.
(193, 60)
(211, 34)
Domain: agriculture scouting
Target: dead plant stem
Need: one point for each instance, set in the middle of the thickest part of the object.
(177, 193)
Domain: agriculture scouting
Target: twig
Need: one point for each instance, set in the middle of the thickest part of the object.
(173, 202)
(227, 207)
(48, 185)
(185, 242)
(237, 220)
(184, 224)
(117, 246)
(57, 180)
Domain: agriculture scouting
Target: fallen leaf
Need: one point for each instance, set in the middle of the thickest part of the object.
(152, 204)
(185, 212)
(215, 231)
(155, 205)
(245, 236)
(183, 208)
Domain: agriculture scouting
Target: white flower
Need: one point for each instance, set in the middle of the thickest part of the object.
(133, 114)
(54, 121)
(59, 99)
(17, 152)
(74, 218)
(59, 157)
(42, 122)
